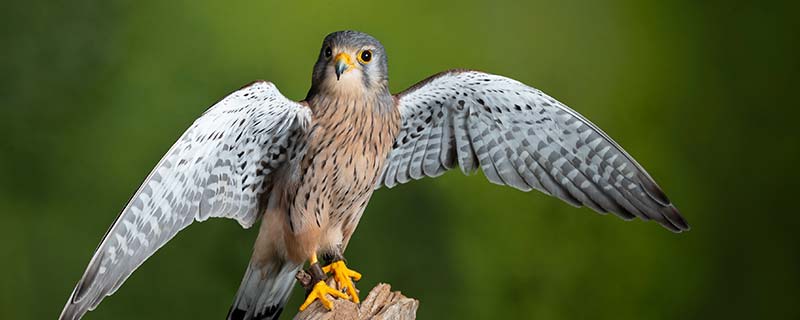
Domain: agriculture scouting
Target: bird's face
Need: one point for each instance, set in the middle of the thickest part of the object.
(351, 63)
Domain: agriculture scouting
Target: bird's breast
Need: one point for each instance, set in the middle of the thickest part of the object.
(353, 149)
(346, 153)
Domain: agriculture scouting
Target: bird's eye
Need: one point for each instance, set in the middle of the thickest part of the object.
(328, 52)
(365, 56)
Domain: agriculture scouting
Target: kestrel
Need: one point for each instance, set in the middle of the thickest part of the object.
(307, 169)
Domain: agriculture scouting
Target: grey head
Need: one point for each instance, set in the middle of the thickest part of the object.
(350, 62)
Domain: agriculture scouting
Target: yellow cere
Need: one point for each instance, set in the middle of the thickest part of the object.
(341, 56)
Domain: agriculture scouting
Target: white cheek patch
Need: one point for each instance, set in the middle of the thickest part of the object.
(350, 82)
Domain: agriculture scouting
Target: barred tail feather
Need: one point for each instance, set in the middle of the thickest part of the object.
(264, 291)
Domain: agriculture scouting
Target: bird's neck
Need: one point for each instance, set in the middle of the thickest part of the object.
(328, 105)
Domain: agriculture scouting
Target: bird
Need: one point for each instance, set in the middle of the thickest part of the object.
(305, 170)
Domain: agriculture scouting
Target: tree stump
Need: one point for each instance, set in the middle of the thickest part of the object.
(381, 304)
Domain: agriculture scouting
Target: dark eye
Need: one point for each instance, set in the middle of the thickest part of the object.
(328, 52)
(365, 56)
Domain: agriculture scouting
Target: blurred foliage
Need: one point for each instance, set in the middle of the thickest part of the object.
(703, 94)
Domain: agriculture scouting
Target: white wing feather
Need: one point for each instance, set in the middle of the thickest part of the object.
(522, 138)
(220, 167)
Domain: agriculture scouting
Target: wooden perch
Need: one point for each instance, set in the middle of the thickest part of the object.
(381, 304)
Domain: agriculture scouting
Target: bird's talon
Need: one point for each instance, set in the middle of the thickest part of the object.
(344, 278)
(321, 289)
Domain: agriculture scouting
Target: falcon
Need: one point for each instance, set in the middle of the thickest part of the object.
(306, 170)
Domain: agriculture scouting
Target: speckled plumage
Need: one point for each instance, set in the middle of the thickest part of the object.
(308, 169)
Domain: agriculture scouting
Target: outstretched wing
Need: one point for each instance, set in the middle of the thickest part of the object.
(220, 167)
(522, 138)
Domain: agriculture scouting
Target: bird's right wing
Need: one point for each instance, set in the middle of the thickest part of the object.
(220, 167)
(520, 137)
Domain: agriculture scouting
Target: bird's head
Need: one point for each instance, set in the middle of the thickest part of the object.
(350, 63)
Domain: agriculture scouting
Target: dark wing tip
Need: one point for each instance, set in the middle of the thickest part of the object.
(77, 306)
(669, 217)
(89, 276)
(674, 216)
(72, 311)
(653, 190)
(236, 313)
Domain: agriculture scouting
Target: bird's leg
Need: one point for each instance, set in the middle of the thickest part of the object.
(343, 275)
(320, 288)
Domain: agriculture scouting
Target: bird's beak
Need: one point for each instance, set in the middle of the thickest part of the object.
(342, 63)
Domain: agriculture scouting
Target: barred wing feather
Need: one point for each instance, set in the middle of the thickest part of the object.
(220, 167)
(520, 137)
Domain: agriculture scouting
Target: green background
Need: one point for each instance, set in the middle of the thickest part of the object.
(702, 93)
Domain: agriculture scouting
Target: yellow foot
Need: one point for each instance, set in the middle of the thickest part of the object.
(320, 290)
(344, 277)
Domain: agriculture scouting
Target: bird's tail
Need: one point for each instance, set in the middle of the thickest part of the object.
(264, 290)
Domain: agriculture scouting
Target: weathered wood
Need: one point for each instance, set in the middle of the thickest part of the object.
(381, 304)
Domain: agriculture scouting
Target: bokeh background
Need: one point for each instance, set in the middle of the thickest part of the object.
(702, 93)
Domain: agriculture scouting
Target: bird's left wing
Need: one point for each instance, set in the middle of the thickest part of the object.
(220, 167)
(522, 138)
